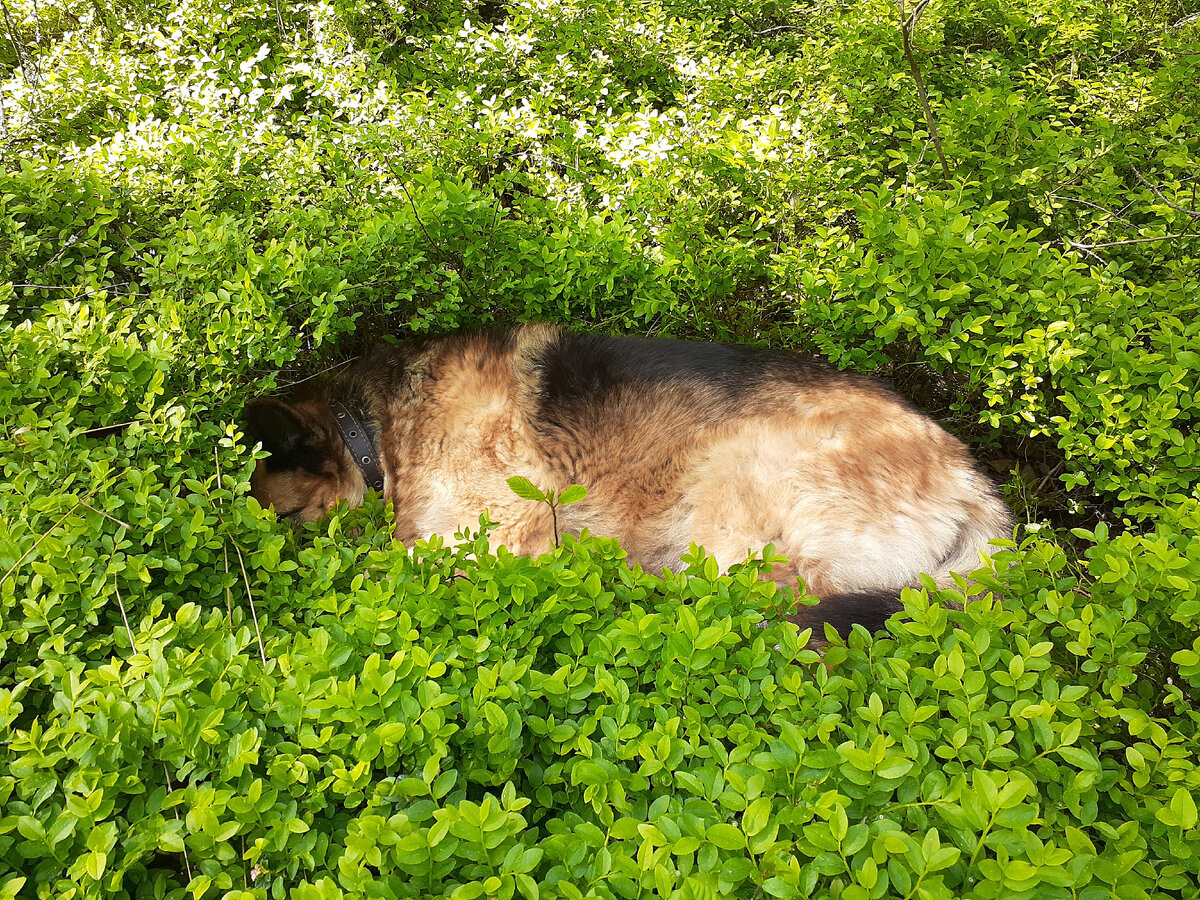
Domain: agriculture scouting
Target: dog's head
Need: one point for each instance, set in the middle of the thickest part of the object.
(309, 469)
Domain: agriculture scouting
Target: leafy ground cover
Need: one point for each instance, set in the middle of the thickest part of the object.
(200, 201)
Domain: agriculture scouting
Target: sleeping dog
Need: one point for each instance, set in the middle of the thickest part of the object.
(677, 442)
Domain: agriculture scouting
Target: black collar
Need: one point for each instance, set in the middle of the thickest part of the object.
(360, 442)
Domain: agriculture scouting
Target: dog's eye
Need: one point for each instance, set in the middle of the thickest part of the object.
(291, 513)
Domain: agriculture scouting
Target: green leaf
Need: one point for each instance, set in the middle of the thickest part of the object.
(1079, 758)
(573, 494)
(777, 887)
(725, 836)
(1181, 811)
(96, 861)
(524, 488)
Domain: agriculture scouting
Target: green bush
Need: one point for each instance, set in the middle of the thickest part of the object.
(199, 201)
(1103, 365)
(458, 722)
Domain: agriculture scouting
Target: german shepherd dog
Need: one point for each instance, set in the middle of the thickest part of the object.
(729, 447)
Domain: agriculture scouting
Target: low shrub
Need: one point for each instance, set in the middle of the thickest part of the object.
(199, 200)
(346, 717)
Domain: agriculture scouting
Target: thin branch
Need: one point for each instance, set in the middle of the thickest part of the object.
(756, 33)
(50, 287)
(103, 290)
(100, 428)
(1141, 43)
(228, 590)
(1094, 255)
(67, 244)
(250, 597)
(775, 28)
(38, 542)
(436, 245)
(1110, 213)
(124, 617)
(916, 13)
(487, 269)
(28, 69)
(224, 547)
(1071, 245)
(101, 512)
(171, 789)
(1159, 194)
(344, 362)
(907, 22)
(1045, 481)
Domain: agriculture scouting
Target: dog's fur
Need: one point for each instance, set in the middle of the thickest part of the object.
(732, 448)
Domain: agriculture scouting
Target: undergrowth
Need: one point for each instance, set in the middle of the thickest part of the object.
(200, 202)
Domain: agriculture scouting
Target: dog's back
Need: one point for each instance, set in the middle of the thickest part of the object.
(734, 448)
(677, 442)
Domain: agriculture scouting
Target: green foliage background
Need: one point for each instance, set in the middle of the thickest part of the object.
(200, 201)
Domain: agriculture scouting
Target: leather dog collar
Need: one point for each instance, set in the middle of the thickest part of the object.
(360, 442)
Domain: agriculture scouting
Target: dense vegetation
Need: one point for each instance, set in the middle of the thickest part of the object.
(201, 201)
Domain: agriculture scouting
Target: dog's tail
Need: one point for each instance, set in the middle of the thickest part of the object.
(872, 607)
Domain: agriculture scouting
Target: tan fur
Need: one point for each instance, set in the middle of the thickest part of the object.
(857, 489)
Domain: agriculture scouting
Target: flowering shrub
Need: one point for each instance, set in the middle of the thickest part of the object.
(200, 200)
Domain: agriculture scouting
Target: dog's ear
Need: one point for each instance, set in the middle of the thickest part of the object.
(285, 433)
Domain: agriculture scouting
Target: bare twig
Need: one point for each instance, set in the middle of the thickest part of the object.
(250, 597)
(916, 14)
(759, 33)
(105, 431)
(28, 67)
(344, 362)
(38, 542)
(462, 278)
(1071, 245)
(228, 591)
(1045, 481)
(75, 287)
(1110, 213)
(1159, 194)
(101, 512)
(100, 428)
(362, 285)
(907, 24)
(1142, 42)
(262, 651)
(67, 244)
(103, 290)
(171, 788)
(487, 269)
(217, 461)
(124, 617)
(1094, 255)
(224, 547)
(775, 28)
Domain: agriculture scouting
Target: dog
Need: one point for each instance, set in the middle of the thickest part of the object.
(730, 447)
